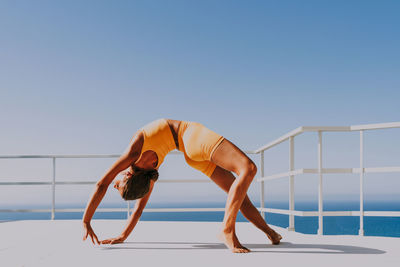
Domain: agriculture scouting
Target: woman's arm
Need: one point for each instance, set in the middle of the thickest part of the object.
(127, 159)
(137, 212)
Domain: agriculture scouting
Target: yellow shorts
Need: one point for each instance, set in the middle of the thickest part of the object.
(198, 144)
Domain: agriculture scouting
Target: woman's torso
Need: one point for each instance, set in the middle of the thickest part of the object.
(159, 138)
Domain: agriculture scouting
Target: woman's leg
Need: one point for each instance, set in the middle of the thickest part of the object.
(224, 179)
(231, 158)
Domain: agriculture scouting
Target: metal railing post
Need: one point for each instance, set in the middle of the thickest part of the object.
(53, 188)
(291, 184)
(320, 197)
(262, 197)
(361, 230)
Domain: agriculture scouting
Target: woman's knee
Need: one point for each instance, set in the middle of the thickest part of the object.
(249, 169)
(252, 168)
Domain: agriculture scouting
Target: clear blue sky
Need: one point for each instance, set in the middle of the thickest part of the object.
(83, 76)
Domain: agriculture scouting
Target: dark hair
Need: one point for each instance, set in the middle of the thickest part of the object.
(138, 185)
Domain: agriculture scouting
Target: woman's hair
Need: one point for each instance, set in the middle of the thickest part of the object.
(138, 184)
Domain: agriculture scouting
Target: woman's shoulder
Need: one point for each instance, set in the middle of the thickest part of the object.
(136, 143)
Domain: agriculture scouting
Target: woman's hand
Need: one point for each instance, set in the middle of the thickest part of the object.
(88, 231)
(115, 240)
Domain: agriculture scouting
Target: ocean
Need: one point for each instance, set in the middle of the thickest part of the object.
(338, 225)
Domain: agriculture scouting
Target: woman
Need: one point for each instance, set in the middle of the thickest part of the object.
(205, 151)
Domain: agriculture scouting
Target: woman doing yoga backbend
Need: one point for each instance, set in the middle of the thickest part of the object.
(205, 151)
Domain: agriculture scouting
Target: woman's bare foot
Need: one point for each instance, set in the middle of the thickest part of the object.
(232, 242)
(274, 237)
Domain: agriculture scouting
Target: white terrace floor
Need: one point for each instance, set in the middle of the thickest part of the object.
(59, 243)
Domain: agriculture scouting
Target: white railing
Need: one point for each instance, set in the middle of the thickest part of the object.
(55, 183)
(320, 171)
(291, 174)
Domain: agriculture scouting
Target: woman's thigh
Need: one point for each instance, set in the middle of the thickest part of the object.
(205, 166)
(230, 157)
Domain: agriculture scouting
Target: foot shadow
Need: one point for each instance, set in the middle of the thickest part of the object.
(315, 249)
(287, 246)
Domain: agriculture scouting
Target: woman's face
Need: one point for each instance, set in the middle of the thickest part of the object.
(120, 184)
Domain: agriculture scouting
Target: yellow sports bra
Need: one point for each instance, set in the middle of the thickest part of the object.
(158, 138)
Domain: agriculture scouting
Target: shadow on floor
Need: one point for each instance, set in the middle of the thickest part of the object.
(283, 247)
(5, 221)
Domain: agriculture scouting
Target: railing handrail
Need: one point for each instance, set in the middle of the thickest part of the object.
(81, 156)
(79, 182)
(55, 182)
(303, 129)
(292, 172)
(72, 156)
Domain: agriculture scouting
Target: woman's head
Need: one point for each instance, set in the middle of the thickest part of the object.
(136, 183)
